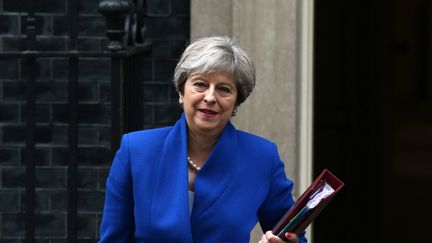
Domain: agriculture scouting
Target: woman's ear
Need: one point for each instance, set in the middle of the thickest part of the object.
(180, 98)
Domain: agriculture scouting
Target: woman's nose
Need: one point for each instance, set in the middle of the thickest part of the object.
(210, 95)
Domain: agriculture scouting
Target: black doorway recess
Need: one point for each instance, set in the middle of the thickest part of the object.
(373, 118)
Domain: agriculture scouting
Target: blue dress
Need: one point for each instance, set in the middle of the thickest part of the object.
(242, 182)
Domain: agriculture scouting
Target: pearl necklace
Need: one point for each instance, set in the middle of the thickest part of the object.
(193, 165)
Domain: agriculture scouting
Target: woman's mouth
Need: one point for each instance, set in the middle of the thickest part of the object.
(208, 112)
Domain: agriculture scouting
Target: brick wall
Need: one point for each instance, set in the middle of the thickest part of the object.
(168, 28)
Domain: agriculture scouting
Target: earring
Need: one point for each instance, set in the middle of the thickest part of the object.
(180, 100)
(234, 113)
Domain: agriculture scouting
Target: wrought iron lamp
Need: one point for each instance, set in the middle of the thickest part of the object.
(116, 12)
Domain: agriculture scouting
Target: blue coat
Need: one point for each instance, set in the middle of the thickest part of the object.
(242, 181)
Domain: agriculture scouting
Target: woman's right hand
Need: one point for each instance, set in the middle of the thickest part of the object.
(269, 237)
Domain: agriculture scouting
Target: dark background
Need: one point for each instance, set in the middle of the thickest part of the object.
(373, 118)
(157, 105)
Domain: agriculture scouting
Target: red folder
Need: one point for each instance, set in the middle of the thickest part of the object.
(325, 176)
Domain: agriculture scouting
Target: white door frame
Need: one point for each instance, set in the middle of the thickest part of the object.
(305, 97)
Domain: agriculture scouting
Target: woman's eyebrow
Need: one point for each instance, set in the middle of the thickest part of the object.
(227, 82)
(195, 77)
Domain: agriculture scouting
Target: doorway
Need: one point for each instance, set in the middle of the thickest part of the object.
(373, 118)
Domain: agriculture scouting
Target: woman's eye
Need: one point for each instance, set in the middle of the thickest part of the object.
(225, 89)
(199, 84)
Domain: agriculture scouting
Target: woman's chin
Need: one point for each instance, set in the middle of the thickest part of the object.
(210, 127)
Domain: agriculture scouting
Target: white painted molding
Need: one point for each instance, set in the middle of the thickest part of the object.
(305, 98)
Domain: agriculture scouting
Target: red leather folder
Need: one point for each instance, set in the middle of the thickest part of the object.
(325, 176)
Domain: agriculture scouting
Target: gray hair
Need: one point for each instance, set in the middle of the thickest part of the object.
(212, 54)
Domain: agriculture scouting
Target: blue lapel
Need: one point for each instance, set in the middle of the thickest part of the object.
(170, 208)
(170, 217)
(216, 174)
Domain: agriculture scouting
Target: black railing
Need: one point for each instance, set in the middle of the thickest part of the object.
(125, 25)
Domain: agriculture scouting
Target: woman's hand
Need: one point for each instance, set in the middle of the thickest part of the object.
(270, 237)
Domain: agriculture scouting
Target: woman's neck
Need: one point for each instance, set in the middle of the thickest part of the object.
(200, 146)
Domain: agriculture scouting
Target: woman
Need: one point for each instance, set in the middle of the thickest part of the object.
(200, 180)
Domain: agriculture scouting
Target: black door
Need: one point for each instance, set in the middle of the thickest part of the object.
(373, 118)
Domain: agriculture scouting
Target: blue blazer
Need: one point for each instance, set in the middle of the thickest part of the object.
(242, 182)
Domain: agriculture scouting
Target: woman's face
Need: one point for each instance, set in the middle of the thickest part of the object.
(209, 101)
